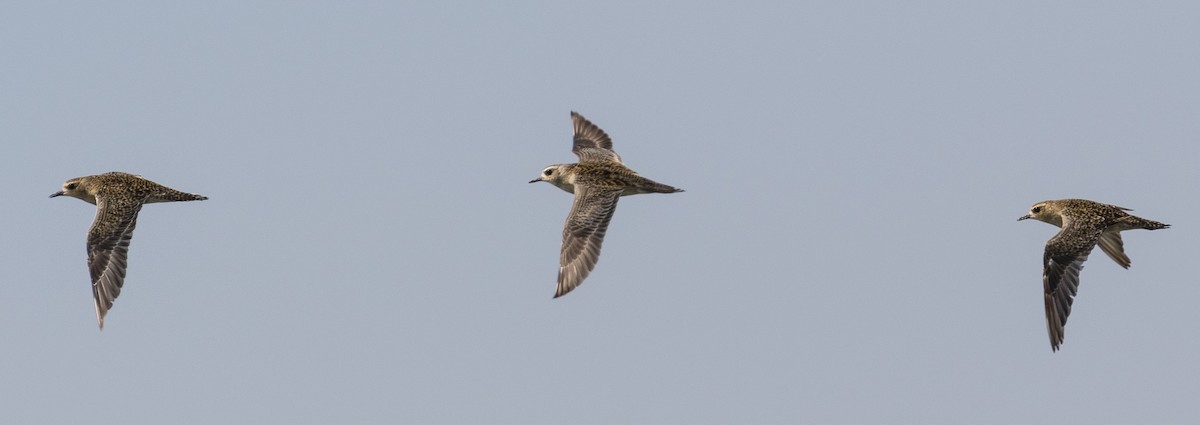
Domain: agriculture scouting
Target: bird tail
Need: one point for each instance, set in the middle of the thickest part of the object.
(656, 187)
(1135, 222)
(175, 196)
(662, 188)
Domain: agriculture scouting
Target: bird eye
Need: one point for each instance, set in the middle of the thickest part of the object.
(71, 186)
(548, 171)
(1036, 210)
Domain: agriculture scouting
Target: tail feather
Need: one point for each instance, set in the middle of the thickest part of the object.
(175, 196)
(645, 185)
(1151, 224)
(1154, 225)
(1135, 222)
(662, 188)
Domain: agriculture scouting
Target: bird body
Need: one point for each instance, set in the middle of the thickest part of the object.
(607, 175)
(1085, 224)
(118, 198)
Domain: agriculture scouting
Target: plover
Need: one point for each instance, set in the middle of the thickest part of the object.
(118, 197)
(1085, 224)
(597, 180)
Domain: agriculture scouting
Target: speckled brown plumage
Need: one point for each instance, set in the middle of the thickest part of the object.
(1085, 224)
(598, 180)
(118, 198)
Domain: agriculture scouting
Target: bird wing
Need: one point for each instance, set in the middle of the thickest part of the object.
(1062, 262)
(591, 143)
(108, 248)
(1110, 242)
(583, 233)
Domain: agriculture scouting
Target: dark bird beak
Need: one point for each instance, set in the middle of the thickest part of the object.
(59, 193)
(1024, 217)
(531, 181)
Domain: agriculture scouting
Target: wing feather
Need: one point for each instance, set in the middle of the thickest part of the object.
(108, 250)
(1110, 242)
(583, 234)
(591, 143)
(1062, 262)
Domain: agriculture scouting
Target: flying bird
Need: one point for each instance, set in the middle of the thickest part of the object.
(118, 198)
(597, 180)
(1085, 224)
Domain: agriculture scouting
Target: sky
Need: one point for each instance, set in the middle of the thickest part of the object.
(846, 251)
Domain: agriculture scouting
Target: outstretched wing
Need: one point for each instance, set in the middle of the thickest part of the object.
(591, 143)
(1062, 262)
(108, 248)
(1110, 242)
(583, 234)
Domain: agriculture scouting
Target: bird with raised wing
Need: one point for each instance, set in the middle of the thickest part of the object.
(597, 180)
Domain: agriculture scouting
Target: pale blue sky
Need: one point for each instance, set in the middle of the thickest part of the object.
(847, 250)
